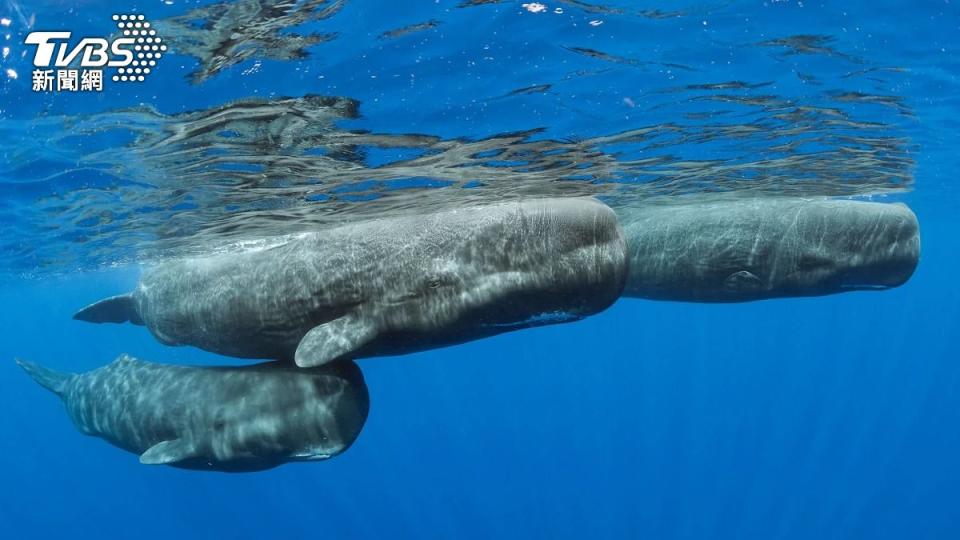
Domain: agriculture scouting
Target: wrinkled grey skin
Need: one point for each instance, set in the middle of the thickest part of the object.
(753, 249)
(388, 286)
(230, 419)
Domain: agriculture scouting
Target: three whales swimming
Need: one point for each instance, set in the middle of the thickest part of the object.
(397, 285)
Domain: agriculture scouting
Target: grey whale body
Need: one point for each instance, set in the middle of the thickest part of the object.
(230, 419)
(388, 286)
(752, 249)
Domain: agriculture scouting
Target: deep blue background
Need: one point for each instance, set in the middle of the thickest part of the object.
(832, 417)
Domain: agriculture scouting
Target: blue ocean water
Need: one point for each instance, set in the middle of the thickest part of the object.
(829, 417)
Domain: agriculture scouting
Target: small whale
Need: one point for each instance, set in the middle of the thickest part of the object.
(388, 286)
(736, 251)
(229, 419)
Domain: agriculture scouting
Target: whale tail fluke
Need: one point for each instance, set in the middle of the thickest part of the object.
(116, 309)
(51, 379)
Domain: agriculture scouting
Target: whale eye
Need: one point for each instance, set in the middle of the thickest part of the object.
(437, 280)
(219, 425)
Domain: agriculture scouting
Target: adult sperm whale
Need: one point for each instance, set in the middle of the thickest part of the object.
(387, 286)
(753, 249)
(215, 418)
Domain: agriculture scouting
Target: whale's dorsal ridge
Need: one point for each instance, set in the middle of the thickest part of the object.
(166, 452)
(333, 340)
(124, 357)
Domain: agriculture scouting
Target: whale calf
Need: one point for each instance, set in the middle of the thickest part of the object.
(767, 248)
(229, 419)
(387, 286)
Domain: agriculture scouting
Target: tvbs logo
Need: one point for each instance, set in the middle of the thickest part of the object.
(63, 67)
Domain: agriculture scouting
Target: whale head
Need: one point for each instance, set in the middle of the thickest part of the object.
(298, 415)
(272, 414)
(742, 250)
(458, 275)
(504, 267)
(849, 246)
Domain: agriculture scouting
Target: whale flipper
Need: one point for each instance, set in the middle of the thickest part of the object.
(168, 452)
(53, 380)
(333, 340)
(116, 309)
